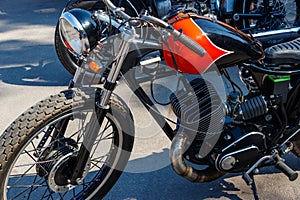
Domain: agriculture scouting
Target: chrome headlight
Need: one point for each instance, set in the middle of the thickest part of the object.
(79, 31)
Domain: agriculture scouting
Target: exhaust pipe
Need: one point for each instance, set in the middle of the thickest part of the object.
(178, 147)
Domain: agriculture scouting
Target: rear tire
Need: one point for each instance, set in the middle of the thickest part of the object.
(21, 155)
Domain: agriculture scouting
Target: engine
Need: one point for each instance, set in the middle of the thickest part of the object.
(200, 110)
(249, 109)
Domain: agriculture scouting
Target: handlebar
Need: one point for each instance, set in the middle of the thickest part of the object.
(191, 44)
(116, 10)
(188, 42)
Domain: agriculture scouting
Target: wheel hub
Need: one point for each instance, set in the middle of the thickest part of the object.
(61, 173)
(56, 164)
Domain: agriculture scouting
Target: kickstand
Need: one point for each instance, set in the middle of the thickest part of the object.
(253, 187)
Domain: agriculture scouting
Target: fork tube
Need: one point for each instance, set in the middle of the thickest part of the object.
(93, 128)
(113, 75)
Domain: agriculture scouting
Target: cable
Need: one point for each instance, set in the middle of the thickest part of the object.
(233, 84)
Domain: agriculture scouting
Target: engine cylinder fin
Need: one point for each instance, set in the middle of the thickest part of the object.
(199, 108)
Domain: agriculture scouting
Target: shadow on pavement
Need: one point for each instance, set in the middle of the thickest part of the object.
(27, 50)
(46, 73)
(30, 12)
(35, 65)
(165, 184)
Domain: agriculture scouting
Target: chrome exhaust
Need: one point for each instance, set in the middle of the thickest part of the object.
(178, 147)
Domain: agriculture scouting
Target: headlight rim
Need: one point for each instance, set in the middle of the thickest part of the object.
(73, 18)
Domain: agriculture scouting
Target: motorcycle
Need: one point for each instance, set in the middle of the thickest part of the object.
(249, 16)
(75, 144)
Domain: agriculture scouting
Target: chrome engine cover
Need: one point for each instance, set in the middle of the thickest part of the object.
(242, 153)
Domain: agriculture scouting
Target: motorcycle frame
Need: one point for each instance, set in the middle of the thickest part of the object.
(123, 64)
(130, 61)
(257, 72)
(287, 112)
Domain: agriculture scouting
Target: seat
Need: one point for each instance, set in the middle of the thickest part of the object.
(284, 53)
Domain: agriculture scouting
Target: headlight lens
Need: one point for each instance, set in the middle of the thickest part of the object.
(79, 31)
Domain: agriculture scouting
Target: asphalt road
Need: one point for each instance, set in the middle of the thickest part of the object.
(30, 71)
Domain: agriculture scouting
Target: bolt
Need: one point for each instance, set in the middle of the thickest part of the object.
(256, 171)
(268, 118)
(79, 181)
(270, 134)
(227, 137)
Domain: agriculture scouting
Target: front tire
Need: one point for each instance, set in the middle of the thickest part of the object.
(27, 157)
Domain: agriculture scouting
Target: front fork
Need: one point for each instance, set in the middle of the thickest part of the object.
(94, 126)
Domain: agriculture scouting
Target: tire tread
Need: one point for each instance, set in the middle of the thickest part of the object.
(15, 136)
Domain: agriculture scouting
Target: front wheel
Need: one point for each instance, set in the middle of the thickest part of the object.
(38, 149)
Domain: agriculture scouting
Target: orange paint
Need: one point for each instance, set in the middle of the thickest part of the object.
(188, 61)
(94, 67)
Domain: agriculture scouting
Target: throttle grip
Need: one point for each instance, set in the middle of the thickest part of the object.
(188, 42)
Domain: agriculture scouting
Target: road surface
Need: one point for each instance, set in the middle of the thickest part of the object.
(30, 71)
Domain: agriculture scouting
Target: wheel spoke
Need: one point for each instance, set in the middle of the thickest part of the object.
(35, 156)
(19, 179)
(30, 188)
(107, 125)
(95, 165)
(81, 126)
(75, 134)
(40, 162)
(44, 194)
(26, 186)
(98, 160)
(107, 137)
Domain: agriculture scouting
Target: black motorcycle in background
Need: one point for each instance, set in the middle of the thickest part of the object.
(250, 16)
